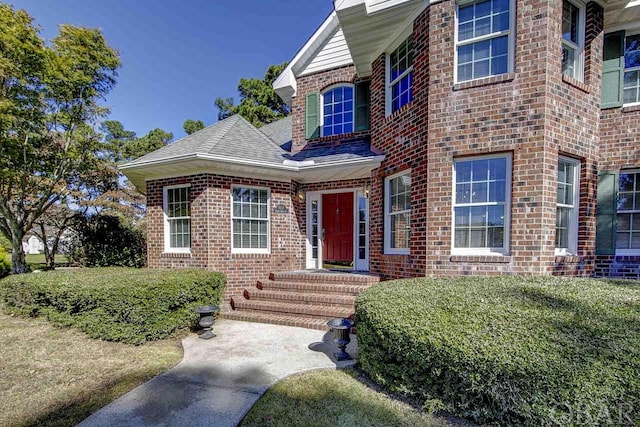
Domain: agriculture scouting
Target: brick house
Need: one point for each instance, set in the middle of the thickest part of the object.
(426, 138)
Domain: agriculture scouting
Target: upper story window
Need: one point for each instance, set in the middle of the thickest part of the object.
(400, 76)
(631, 89)
(397, 219)
(572, 40)
(177, 224)
(628, 213)
(481, 204)
(483, 39)
(568, 192)
(250, 220)
(337, 111)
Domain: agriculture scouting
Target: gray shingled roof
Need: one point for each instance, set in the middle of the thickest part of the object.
(232, 137)
(235, 138)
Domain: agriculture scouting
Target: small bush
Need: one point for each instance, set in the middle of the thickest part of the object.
(508, 350)
(108, 241)
(115, 304)
(5, 263)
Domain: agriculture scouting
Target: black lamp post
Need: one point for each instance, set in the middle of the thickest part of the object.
(207, 319)
(341, 329)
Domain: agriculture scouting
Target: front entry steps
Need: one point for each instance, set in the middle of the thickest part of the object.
(306, 298)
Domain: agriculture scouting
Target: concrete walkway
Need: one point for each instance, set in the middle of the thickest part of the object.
(218, 380)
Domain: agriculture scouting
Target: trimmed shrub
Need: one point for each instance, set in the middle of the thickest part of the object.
(508, 350)
(5, 263)
(115, 304)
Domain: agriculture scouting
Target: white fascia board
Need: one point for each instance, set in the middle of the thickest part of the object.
(285, 84)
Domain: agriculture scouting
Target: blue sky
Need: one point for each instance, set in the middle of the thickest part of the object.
(178, 56)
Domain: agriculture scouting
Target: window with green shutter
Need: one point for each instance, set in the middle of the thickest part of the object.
(312, 122)
(606, 207)
(613, 70)
(363, 100)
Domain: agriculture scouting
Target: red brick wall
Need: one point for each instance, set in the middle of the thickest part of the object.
(211, 230)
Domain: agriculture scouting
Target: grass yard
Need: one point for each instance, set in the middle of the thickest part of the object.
(334, 398)
(39, 261)
(52, 376)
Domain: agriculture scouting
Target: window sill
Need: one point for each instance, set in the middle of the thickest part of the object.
(175, 255)
(341, 138)
(485, 81)
(250, 254)
(630, 108)
(481, 259)
(569, 259)
(398, 112)
(398, 253)
(576, 83)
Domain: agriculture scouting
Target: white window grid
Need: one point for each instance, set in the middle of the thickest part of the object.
(250, 219)
(628, 213)
(397, 209)
(631, 87)
(400, 61)
(567, 202)
(573, 16)
(337, 115)
(467, 205)
(494, 38)
(177, 219)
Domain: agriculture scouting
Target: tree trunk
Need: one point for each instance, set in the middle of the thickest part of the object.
(19, 264)
(49, 255)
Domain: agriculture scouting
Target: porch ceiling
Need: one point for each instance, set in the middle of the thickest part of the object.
(621, 13)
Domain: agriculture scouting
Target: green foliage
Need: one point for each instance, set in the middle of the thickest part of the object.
(156, 138)
(259, 103)
(5, 243)
(5, 263)
(508, 350)
(49, 100)
(116, 140)
(108, 241)
(114, 304)
(191, 126)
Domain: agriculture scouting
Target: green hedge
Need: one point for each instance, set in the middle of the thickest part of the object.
(114, 304)
(5, 263)
(508, 350)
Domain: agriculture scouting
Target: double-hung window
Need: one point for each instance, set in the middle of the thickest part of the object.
(572, 40)
(250, 220)
(484, 36)
(628, 213)
(400, 76)
(631, 88)
(568, 193)
(177, 228)
(337, 111)
(397, 213)
(481, 205)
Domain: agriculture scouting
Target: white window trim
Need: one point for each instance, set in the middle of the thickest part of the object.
(628, 33)
(625, 251)
(573, 219)
(388, 82)
(511, 38)
(388, 250)
(507, 208)
(353, 109)
(579, 48)
(167, 227)
(266, 250)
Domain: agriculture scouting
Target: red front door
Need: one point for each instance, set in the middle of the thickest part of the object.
(337, 224)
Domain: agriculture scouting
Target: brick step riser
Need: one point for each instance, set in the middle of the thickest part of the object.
(308, 323)
(325, 317)
(315, 288)
(298, 309)
(327, 301)
(327, 278)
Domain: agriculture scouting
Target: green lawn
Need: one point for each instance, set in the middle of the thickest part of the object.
(38, 259)
(334, 398)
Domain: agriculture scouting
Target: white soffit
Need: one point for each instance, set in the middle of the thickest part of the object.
(619, 14)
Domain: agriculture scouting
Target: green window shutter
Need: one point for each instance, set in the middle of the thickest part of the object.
(312, 119)
(363, 101)
(607, 203)
(613, 70)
